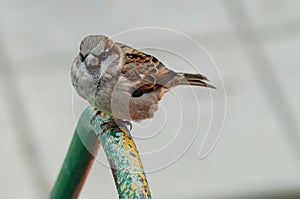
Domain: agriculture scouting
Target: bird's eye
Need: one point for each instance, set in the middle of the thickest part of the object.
(104, 55)
(82, 58)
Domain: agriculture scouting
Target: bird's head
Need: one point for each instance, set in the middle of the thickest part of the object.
(97, 53)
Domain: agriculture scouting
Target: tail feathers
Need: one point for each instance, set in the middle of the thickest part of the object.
(195, 76)
(195, 80)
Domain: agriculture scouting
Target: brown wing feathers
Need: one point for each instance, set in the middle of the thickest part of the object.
(154, 74)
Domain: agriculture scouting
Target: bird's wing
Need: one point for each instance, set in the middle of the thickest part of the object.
(141, 66)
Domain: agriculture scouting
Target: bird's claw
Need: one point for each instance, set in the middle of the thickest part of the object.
(108, 125)
(124, 123)
(116, 123)
(93, 119)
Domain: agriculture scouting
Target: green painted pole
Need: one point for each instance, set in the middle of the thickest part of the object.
(123, 157)
(121, 153)
(77, 163)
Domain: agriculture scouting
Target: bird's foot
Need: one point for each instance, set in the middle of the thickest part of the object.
(124, 123)
(93, 119)
(109, 126)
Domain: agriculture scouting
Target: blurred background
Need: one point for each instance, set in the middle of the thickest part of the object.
(255, 44)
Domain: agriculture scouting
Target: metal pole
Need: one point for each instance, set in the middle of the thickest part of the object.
(121, 153)
(123, 157)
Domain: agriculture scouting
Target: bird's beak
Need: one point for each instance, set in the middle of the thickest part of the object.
(91, 61)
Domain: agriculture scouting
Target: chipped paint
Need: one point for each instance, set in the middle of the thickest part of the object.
(122, 155)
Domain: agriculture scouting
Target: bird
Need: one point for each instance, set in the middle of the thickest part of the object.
(124, 82)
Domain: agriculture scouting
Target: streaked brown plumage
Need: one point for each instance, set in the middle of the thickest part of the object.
(156, 74)
(130, 85)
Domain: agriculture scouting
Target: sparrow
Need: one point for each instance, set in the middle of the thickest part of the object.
(122, 81)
